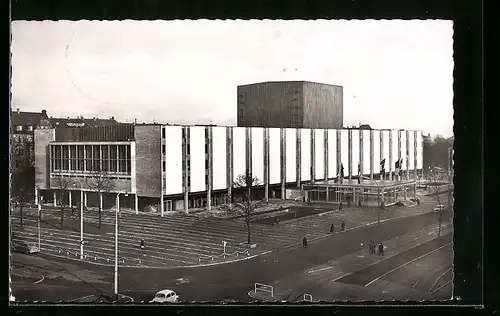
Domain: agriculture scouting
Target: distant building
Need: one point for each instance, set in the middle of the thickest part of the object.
(290, 104)
(81, 121)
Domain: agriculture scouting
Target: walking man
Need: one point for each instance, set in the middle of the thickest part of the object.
(332, 229)
(340, 206)
(380, 249)
(304, 242)
(142, 244)
(342, 225)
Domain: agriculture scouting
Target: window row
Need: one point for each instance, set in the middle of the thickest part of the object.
(91, 158)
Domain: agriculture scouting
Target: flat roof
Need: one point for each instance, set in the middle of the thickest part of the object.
(364, 183)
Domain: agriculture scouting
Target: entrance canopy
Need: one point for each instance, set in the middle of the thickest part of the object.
(353, 184)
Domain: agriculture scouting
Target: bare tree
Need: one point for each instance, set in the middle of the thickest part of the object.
(248, 205)
(62, 184)
(100, 181)
(23, 175)
(435, 185)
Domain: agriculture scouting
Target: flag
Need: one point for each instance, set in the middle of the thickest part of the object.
(382, 163)
(397, 165)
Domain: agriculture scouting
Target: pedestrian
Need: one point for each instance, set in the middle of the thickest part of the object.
(340, 206)
(304, 242)
(332, 229)
(418, 201)
(371, 247)
(142, 244)
(380, 249)
(342, 225)
(72, 211)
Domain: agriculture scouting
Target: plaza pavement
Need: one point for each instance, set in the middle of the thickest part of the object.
(344, 278)
(228, 282)
(186, 240)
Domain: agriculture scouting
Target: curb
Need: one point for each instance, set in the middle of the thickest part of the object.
(259, 299)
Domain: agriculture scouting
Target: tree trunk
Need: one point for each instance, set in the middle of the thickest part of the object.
(100, 209)
(62, 217)
(248, 232)
(21, 214)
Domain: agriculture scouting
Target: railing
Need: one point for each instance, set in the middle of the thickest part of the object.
(264, 288)
(224, 255)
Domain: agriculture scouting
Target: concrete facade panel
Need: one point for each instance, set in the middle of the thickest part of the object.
(403, 149)
(376, 152)
(344, 151)
(291, 155)
(219, 152)
(42, 138)
(305, 157)
(239, 152)
(332, 153)
(173, 160)
(197, 143)
(366, 152)
(420, 157)
(319, 151)
(258, 154)
(395, 150)
(148, 160)
(274, 155)
(411, 153)
(386, 151)
(355, 151)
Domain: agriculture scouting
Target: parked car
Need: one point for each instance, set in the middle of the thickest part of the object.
(165, 296)
(25, 248)
(440, 207)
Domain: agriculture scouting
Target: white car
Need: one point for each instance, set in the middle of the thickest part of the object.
(165, 296)
(440, 208)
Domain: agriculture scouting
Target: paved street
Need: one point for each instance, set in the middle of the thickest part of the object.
(228, 281)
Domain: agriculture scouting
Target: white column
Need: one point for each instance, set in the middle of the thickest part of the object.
(100, 200)
(85, 199)
(406, 192)
(70, 198)
(162, 207)
(55, 199)
(136, 204)
(36, 196)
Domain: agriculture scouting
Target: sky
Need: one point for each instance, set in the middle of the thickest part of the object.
(395, 74)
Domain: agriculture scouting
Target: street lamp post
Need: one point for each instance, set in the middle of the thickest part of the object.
(39, 207)
(116, 241)
(81, 221)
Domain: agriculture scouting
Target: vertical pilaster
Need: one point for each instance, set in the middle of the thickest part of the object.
(326, 150)
(209, 170)
(349, 149)
(163, 171)
(382, 176)
(85, 199)
(69, 157)
(339, 153)
(298, 156)
(399, 154)
(266, 164)
(391, 158)
(100, 200)
(407, 158)
(283, 162)
(313, 155)
(361, 155)
(229, 163)
(248, 157)
(70, 198)
(186, 158)
(136, 203)
(85, 157)
(415, 144)
(55, 198)
(372, 159)
(36, 196)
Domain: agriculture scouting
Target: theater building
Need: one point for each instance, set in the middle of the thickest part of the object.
(182, 167)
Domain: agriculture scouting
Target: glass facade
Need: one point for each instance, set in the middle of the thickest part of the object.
(91, 158)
